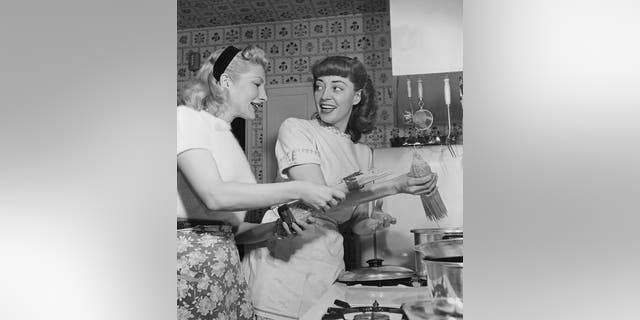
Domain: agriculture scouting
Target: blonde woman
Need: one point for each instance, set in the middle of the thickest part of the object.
(216, 186)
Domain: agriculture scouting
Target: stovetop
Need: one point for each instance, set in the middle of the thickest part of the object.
(342, 310)
(365, 296)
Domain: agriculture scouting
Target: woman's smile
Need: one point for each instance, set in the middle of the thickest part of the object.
(327, 108)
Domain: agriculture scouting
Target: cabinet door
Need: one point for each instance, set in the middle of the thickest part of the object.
(284, 102)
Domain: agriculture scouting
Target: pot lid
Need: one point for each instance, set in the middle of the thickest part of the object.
(376, 274)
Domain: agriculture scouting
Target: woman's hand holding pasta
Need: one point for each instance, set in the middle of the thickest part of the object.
(425, 185)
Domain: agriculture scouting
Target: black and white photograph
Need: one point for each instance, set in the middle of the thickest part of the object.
(320, 159)
(330, 157)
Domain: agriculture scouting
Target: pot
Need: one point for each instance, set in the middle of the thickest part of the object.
(427, 235)
(445, 277)
(441, 249)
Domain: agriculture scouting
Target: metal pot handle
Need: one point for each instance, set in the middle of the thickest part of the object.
(452, 236)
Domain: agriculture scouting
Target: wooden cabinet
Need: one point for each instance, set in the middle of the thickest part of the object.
(283, 102)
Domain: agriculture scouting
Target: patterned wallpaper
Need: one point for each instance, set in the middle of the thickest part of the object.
(211, 13)
(292, 47)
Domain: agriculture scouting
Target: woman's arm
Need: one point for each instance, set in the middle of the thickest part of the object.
(400, 184)
(201, 171)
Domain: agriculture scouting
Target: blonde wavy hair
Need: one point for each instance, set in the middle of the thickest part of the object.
(204, 92)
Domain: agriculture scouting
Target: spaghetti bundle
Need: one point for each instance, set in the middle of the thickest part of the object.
(433, 206)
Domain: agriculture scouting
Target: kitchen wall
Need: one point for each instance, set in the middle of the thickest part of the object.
(292, 47)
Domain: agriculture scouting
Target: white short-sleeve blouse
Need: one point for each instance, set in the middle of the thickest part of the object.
(201, 130)
(310, 141)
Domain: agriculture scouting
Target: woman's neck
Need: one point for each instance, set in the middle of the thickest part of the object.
(224, 115)
(342, 124)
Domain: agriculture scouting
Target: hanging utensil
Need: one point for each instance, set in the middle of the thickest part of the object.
(447, 101)
(422, 118)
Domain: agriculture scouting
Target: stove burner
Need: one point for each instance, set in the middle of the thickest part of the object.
(371, 316)
(364, 313)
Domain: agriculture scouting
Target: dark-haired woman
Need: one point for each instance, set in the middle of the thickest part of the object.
(288, 276)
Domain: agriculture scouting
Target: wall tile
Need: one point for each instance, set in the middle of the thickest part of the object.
(386, 22)
(282, 66)
(283, 31)
(249, 34)
(327, 45)
(266, 32)
(386, 58)
(291, 47)
(389, 97)
(183, 73)
(363, 43)
(306, 77)
(198, 38)
(309, 46)
(274, 48)
(232, 35)
(274, 80)
(284, 11)
(304, 11)
(215, 37)
(373, 23)
(205, 52)
(381, 41)
(301, 65)
(257, 138)
(345, 44)
(301, 29)
(373, 59)
(354, 25)
(318, 28)
(184, 39)
(294, 78)
(382, 77)
(336, 26)
(323, 12)
(385, 116)
(270, 66)
(379, 95)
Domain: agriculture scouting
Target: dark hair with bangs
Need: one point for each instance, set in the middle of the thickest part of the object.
(363, 114)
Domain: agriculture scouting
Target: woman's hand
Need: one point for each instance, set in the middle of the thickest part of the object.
(303, 228)
(318, 196)
(417, 186)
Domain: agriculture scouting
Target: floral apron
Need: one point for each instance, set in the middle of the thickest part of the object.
(210, 282)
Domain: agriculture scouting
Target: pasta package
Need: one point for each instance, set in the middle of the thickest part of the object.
(433, 206)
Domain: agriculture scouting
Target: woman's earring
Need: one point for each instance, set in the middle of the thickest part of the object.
(224, 80)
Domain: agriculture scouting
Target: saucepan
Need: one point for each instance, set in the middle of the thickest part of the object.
(427, 235)
(443, 261)
(441, 249)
